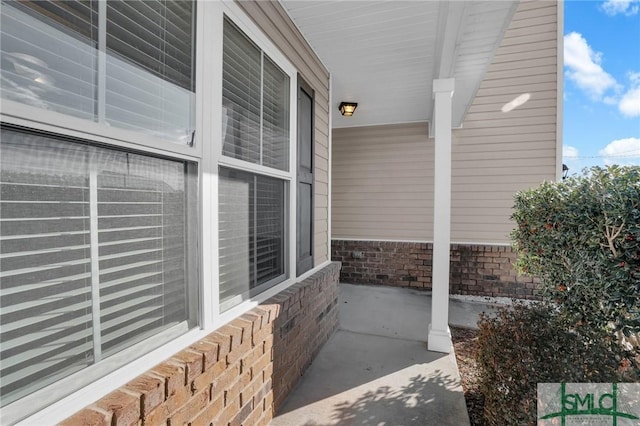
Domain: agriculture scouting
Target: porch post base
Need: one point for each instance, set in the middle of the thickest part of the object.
(439, 340)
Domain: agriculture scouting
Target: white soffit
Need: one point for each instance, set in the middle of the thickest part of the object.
(385, 54)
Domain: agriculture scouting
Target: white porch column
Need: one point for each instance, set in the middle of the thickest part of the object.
(439, 339)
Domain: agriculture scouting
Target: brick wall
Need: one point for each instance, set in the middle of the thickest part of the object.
(481, 270)
(238, 375)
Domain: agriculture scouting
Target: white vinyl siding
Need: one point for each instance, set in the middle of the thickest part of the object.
(383, 175)
(498, 153)
(383, 183)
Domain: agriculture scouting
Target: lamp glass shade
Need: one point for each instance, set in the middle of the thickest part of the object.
(347, 108)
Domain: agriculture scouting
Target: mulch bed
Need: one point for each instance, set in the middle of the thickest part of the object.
(465, 343)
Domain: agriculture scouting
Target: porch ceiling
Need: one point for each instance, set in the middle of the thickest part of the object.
(385, 54)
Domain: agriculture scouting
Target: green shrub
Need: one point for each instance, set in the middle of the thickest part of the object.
(525, 345)
(581, 237)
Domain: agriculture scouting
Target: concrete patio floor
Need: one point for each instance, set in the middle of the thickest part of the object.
(376, 370)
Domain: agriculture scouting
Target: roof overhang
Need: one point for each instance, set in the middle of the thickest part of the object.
(384, 55)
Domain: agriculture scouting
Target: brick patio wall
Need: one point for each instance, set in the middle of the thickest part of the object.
(239, 374)
(479, 270)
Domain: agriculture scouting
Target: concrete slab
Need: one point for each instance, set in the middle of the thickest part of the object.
(376, 370)
(385, 311)
(400, 312)
(362, 379)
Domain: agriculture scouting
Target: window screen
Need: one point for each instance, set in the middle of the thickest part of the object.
(93, 255)
(255, 129)
(49, 55)
(252, 234)
(145, 82)
(255, 101)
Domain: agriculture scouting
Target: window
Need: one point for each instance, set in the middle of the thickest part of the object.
(252, 205)
(93, 259)
(121, 63)
(98, 254)
(255, 100)
(252, 234)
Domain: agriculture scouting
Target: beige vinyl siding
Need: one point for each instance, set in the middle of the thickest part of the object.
(496, 154)
(383, 175)
(382, 183)
(274, 21)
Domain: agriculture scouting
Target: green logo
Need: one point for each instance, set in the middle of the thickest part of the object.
(584, 400)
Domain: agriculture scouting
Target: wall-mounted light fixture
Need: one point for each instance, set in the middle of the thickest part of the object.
(565, 171)
(347, 108)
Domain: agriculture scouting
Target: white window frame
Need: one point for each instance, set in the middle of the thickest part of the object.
(108, 378)
(42, 119)
(232, 11)
(206, 154)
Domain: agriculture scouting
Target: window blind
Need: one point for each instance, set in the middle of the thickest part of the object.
(255, 94)
(150, 79)
(92, 259)
(241, 95)
(45, 264)
(49, 56)
(275, 114)
(146, 83)
(251, 236)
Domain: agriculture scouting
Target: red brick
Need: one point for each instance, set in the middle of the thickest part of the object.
(193, 362)
(241, 416)
(222, 340)
(266, 418)
(208, 377)
(208, 415)
(262, 391)
(262, 335)
(195, 405)
(125, 408)
(151, 392)
(209, 352)
(250, 389)
(173, 375)
(228, 413)
(246, 326)
(267, 373)
(244, 380)
(264, 313)
(162, 412)
(227, 378)
(255, 319)
(254, 417)
(232, 393)
(268, 401)
(239, 351)
(273, 309)
(234, 332)
(90, 416)
(250, 359)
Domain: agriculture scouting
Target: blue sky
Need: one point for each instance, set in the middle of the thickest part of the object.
(601, 83)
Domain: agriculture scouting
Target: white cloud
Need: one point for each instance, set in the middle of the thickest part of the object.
(614, 7)
(584, 69)
(622, 151)
(630, 102)
(570, 157)
(569, 152)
